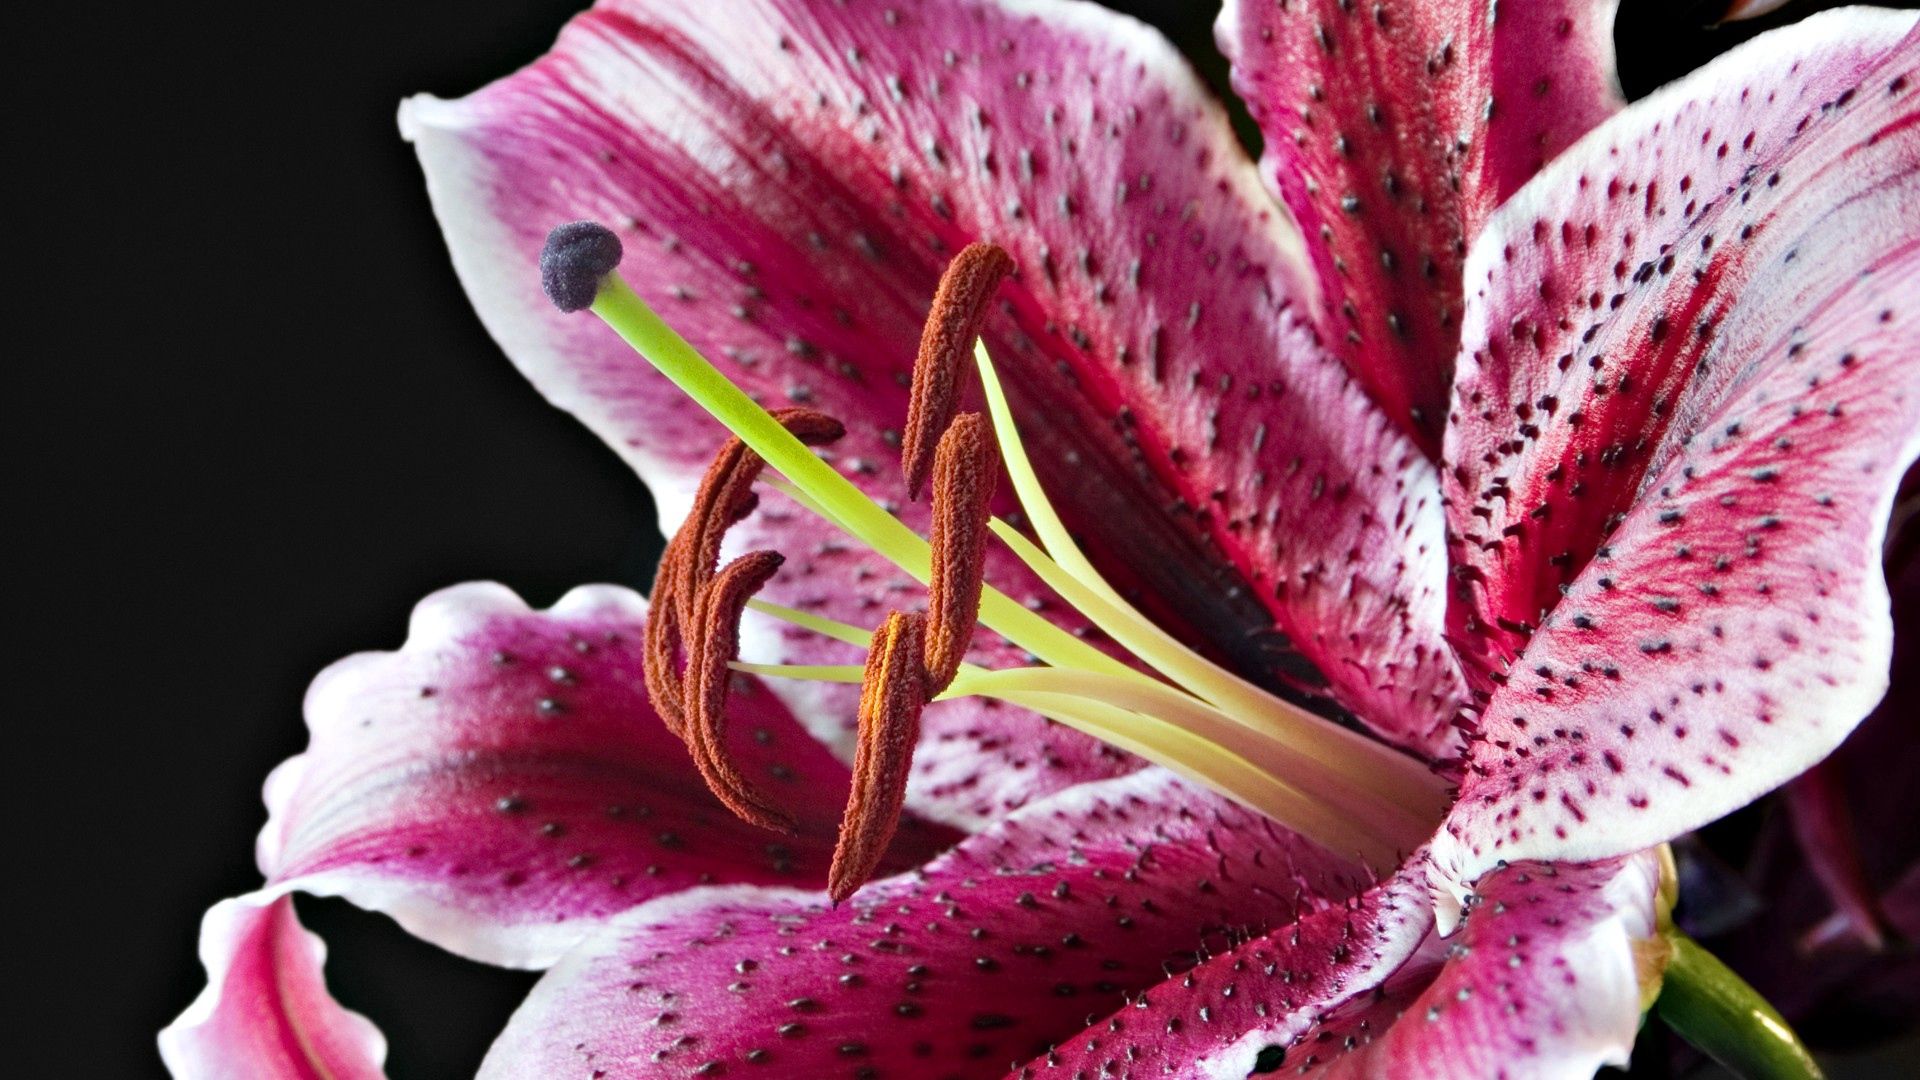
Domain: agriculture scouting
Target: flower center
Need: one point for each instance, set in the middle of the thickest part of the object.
(1161, 700)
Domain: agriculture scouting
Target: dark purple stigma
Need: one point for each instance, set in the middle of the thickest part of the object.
(578, 256)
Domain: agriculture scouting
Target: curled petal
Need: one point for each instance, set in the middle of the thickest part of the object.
(1802, 948)
(266, 1013)
(1548, 976)
(1687, 402)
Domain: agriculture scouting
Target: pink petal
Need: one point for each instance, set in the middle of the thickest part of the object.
(266, 1013)
(1691, 341)
(1391, 132)
(1540, 980)
(790, 178)
(500, 785)
(986, 957)
(1215, 1019)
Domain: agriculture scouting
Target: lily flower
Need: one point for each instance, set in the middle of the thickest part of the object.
(1341, 573)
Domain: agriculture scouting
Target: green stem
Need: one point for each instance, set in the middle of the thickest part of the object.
(1715, 1010)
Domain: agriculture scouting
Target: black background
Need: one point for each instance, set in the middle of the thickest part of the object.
(251, 421)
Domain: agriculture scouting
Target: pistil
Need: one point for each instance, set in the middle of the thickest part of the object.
(1347, 792)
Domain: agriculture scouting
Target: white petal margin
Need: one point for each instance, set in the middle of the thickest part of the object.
(266, 1013)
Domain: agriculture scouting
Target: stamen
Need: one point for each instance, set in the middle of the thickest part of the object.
(1394, 776)
(1306, 772)
(959, 309)
(726, 494)
(964, 468)
(892, 693)
(715, 645)
(724, 498)
(817, 484)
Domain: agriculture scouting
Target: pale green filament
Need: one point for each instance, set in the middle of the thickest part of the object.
(1026, 484)
(1347, 792)
(1296, 743)
(1384, 771)
(1166, 726)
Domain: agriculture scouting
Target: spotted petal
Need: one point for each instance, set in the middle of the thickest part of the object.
(790, 178)
(500, 784)
(1685, 408)
(1392, 130)
(266, 1013)
(986, 957)
(1541, 980)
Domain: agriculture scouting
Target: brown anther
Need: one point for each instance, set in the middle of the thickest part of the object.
(711, 649)
(687, 566)
(965, 467)
(892, 693)
(726, 496)
(661, 666)
(960, 307)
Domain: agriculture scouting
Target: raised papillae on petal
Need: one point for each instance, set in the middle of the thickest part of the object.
(500, 785)
(1392, 129)
(266, 1011)
(1218, 459)
(1548, 976)
(1687, 402)
(1542, 979)
(988, 956)
(1243, 1006)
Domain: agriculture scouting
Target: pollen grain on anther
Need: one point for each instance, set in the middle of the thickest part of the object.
(959, 310)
